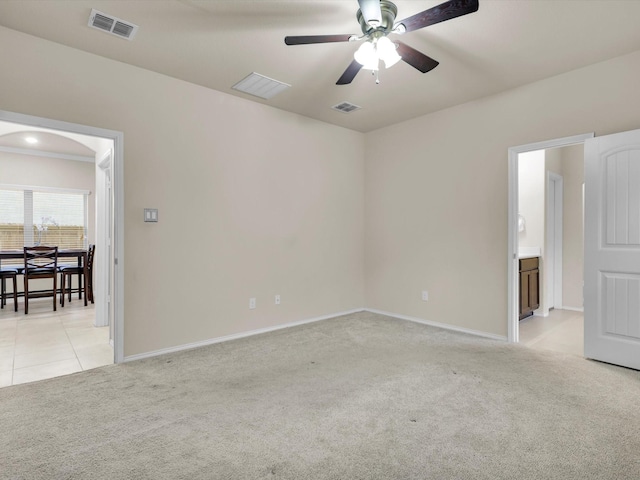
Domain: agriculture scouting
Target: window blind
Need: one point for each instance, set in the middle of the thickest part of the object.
(29, 216)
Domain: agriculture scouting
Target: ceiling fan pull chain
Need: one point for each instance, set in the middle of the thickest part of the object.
(377, 77)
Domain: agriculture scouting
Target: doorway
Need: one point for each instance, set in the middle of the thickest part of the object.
(556, 295)
(107, 143)
(554, 323)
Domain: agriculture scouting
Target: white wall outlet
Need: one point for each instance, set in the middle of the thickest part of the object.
(277, 300)
(252, 303)
(425, 295)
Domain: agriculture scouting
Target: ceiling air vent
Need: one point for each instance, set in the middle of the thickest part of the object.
(346, 107)
(260, 86)
(112, 25)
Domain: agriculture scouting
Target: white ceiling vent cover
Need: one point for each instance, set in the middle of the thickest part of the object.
(260, 86)
(112, 25)
(346, 107)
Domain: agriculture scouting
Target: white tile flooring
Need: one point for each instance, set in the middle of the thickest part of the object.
(562, 331)
(46, 344)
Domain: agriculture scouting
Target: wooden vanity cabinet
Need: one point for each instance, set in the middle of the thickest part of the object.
(529, 286)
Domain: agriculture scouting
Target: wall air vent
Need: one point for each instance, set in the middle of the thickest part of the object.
(346, 107)
(260, 86)
(112, 25)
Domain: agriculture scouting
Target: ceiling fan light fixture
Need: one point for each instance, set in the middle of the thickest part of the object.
(387, 52)
(391, 60)
(367, 56)
(377, 19)
(372, 51)
(399, 29)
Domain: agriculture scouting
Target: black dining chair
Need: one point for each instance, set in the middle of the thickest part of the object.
(5, 274)
(68, 271)
(40, 262)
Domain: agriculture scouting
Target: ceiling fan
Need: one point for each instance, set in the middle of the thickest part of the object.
(377, 21)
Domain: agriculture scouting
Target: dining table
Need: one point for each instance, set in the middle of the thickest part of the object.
(78, 253)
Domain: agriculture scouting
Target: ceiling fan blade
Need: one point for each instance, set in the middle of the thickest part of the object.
(307, 39)
(439, 13)
(371, 12)
(349, 74)
(415, 58)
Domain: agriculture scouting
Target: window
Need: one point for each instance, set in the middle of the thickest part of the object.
(38, 216)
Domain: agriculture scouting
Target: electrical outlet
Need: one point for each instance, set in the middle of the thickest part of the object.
(252, 303)
(277, 300)
(425, 296)
(150, 214)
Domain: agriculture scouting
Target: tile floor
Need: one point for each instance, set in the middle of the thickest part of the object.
(561, 331)
(46, 344)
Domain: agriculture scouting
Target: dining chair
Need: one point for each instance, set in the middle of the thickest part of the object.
(68, 271)
(6, 273)
(40, 262)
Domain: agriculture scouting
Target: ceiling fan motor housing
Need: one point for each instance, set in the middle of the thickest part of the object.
(389, 12)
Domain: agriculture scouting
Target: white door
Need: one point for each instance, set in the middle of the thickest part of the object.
(612, 249)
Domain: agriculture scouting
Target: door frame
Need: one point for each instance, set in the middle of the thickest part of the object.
(118, 205)
(513, 331)
(554, 226)
(104, 222)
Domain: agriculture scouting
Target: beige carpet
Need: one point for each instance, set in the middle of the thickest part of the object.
(357, 397)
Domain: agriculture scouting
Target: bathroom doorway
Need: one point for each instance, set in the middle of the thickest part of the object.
(557, 323)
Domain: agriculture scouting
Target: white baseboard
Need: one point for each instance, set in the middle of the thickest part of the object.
(573, 309)
(537, 313)
(235, 336)
(446, 326)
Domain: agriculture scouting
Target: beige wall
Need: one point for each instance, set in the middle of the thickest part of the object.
(51, 172)
(553, 161)
(573, 226)
(252, 201)
(437, 190)
(278, 199)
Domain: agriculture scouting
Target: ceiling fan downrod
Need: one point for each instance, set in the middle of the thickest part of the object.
(388, 12)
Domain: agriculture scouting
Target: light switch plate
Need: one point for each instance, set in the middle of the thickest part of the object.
(150, 214)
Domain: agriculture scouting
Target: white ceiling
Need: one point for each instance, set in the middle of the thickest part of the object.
(47, 142)
(51, 143)
(216, 43)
